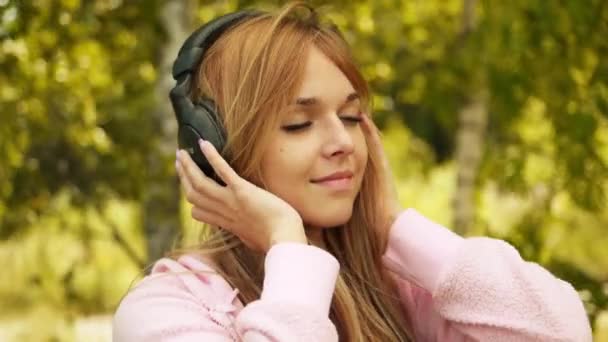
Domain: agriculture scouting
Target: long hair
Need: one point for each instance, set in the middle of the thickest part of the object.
(252, 72)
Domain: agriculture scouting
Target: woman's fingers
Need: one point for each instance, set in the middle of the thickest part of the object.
(220, 166)
(375, 141)
(191, 194)
(372, 130)
(198, 200)
(198, 181)
(387, 177)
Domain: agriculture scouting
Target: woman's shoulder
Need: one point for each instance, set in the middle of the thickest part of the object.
(177, 294)
(193, 274)
(188, 275)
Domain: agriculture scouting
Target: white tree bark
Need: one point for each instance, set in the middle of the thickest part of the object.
(472, 122)
(161, 202)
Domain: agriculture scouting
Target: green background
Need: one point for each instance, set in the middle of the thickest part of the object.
(494, 115)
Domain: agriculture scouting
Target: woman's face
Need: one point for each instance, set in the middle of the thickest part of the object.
(319, 137)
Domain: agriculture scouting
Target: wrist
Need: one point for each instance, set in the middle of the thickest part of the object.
(288, 232)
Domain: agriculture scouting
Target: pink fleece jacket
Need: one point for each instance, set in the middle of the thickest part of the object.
(454, 289)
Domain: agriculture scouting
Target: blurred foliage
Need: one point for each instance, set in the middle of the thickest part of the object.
(77, 78)
(77, 84)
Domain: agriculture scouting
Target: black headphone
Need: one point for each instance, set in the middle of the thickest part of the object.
(199, 119)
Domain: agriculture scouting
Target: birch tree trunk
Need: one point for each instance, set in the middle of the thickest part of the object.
(161, 202)
(472, 122)
(470, 137)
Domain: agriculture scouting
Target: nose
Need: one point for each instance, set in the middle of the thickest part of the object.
(339, 140)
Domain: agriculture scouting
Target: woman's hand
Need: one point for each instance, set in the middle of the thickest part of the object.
(258, 217)
(390, 199)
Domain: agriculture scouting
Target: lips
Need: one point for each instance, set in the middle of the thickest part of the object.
(334, 176)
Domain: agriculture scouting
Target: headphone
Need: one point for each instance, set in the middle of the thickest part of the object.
(199, 119)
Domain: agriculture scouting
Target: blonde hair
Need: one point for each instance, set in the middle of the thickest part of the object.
(252, 72)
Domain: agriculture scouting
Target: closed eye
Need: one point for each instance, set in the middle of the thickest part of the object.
(352, 119)
(296, 127)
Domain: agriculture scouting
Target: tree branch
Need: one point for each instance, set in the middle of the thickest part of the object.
(130, 251)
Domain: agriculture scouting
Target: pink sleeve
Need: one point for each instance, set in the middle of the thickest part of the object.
(179, 306)
(457, 289)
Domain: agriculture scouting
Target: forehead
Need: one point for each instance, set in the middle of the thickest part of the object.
(323, 80)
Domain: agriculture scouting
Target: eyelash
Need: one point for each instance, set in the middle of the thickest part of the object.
(355, 120)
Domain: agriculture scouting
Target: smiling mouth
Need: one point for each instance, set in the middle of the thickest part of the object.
(338, 184)
(334, 176)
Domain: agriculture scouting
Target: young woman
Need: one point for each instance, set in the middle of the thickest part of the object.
(309, 242)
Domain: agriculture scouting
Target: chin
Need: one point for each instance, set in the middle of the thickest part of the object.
(329, 219)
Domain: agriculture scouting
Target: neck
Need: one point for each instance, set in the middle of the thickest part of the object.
(315, 236)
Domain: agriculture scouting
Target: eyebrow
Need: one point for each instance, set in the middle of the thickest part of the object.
(311, 101)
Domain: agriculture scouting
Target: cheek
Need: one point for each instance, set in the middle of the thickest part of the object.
(285, 166)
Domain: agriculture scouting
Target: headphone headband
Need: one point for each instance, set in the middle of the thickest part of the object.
(193, 49)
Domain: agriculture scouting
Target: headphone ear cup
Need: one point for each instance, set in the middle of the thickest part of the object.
(199, 120)
(212, 114)
(202, 123)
